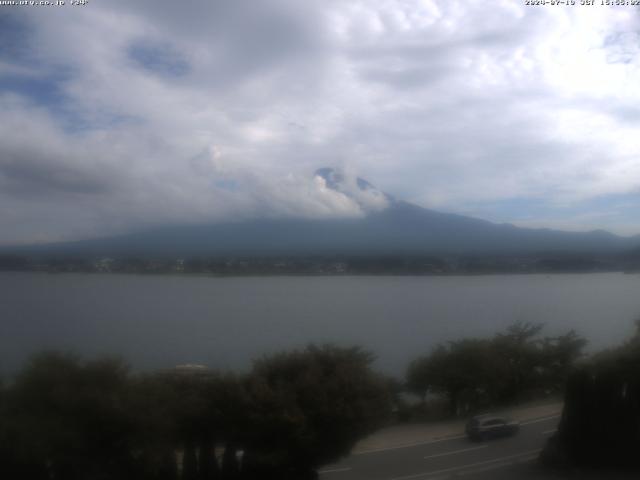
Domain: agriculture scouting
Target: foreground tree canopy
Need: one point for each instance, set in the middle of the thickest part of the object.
(513, 365)
(600, 424)
(65, 419)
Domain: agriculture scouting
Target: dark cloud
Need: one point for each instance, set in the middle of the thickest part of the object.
(159, 58)
(238, 39)
(14, 36)
(30, 174)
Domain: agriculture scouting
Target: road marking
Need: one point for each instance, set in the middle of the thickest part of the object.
(455, 451)
(409, 445)
(549, 432)
(445, 439)
(469, 465)
(495, 466)
(538, 420)
(334, 470)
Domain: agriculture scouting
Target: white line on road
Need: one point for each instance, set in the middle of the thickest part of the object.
(549, 432)
(444, 439)
(538, 420)
(334, 470)
(467, 466)
(455, 451)
(495, 466)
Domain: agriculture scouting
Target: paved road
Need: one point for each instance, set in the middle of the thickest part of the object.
(512, 457)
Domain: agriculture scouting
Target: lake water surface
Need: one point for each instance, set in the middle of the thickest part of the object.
(161, 321)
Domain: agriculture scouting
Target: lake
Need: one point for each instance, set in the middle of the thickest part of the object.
(161, 321)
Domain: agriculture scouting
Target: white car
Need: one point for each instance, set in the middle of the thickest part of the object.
(485, 427)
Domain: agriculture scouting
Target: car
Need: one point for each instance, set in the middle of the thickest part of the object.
(488, 426)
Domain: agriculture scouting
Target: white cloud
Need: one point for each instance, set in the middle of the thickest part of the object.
(445, 103)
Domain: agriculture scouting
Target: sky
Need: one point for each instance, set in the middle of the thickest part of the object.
(121, 115)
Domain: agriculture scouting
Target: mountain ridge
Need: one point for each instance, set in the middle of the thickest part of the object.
(400, 228)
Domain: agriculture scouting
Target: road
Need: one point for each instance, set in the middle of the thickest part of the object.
(512, 457)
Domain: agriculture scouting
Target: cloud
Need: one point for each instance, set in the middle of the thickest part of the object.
(126, 114)
(157, 57)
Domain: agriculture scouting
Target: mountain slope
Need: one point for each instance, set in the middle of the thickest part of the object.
(389, 227)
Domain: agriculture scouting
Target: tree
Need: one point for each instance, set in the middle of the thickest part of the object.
(474, 373)
(69, 419)
(466, 371)
(154, 402)
(309, 408)
(600, 424)
(418, 377)
(519, 351)
(188, 411)
(558, 357)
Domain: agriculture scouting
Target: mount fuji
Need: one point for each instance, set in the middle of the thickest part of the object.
(388, 226)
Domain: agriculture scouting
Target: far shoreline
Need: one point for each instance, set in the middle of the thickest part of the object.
(318, 275)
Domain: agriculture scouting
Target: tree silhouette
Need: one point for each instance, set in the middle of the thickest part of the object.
(600, 424)
(67, 419)
(310, 407)
(476, 373)
(70, 418)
